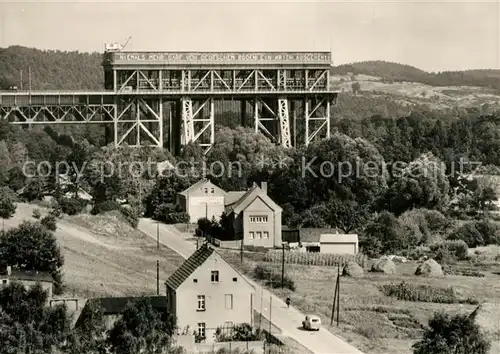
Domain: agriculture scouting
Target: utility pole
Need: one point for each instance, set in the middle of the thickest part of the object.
(338, 293)
(283, 266)
(157, 277)
(335, 297)
(270, 313)
(261, 301)
(241, 248)
(157, 235)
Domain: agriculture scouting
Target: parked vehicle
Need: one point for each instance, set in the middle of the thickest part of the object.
(311, 323)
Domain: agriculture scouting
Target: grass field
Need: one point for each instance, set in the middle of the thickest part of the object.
(104, 256)
(371, 321)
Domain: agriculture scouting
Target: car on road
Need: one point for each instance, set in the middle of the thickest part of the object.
(311, 323)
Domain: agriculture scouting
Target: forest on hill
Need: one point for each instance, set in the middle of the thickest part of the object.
(55, 69)
(399, 72)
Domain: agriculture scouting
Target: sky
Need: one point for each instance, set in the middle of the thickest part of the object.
(431, 35)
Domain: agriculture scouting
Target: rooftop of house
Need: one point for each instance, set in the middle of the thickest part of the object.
(116, 305)
(314, 234)
(198, 184)
(189, 266)
(196, 260)
(233, 197)
(14, 274)
(249, 196)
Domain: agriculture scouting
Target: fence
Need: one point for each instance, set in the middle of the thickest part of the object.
(256, 347)
(317, 259)
(290, 236)
(234, 244)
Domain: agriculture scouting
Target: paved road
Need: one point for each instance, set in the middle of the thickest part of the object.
(288, 320)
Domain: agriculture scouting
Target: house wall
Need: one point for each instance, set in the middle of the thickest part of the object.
(201, 202)
(258, 208)
(338, 248)
(215, 313)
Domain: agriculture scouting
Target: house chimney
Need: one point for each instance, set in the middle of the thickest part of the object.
(9, 270)
(263, 186)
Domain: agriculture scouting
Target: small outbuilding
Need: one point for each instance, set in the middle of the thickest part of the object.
(338, 243)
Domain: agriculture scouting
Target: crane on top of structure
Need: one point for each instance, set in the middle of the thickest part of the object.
(116, 47)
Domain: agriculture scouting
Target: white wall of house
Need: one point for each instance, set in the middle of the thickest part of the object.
(338, 248)
(225, 300)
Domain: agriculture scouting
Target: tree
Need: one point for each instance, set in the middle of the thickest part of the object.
(142, 328)
(7, 208)
(90, 331)
(6, 162)
(356, 87)
(27, 324)
(31, 246)
(458, 334)
(422, 183)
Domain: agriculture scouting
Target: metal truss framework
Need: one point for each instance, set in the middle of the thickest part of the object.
(231, 80)
(138, 119)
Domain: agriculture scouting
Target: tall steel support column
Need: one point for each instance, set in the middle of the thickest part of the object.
(187, 124)
(306, 119)
(284, 121)
(317, 120)
(195, 127)
(135, 114)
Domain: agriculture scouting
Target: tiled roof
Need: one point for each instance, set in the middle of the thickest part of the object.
(116, 305)
(194, 186)
(234, 205)
(17, 274)
(313, 234)
(189, 266)
(233, 197)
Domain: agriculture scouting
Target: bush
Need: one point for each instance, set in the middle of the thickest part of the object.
(170, 214)
(457, 249)
(469, 234)
(457, 334)
(103, 207)
(56, 211)
(177, 218)
(37, 214)
(49, 222)
(423, 293)
(131, 214)
(273, 279)
(489, 231)
(419, 252)
(72, 206)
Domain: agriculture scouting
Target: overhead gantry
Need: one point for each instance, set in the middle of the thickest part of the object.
(176, 97)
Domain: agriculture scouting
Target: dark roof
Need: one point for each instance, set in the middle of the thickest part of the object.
(189, 266)
(116, 305)
(310, 234)
(26, 275)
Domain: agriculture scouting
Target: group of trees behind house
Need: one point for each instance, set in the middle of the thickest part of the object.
(28, 325)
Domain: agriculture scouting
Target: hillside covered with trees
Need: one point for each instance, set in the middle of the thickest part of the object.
(399, 72)
(54, 69)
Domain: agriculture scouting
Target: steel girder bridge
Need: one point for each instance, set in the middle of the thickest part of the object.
(149, 98)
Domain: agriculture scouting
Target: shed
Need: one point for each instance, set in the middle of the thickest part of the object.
(338, 243)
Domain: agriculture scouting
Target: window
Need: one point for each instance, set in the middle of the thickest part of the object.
(229, 301)
(195, 280)
(212, 190)
(4, 281)
(258, 219)
(251, 235)
(201, 302)
(206, 190)
(215, 276)
(259, 234)
(235, 279)
(266, 234)
(201, 329)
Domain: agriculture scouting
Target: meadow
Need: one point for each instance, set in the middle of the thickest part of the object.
(369, 319)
